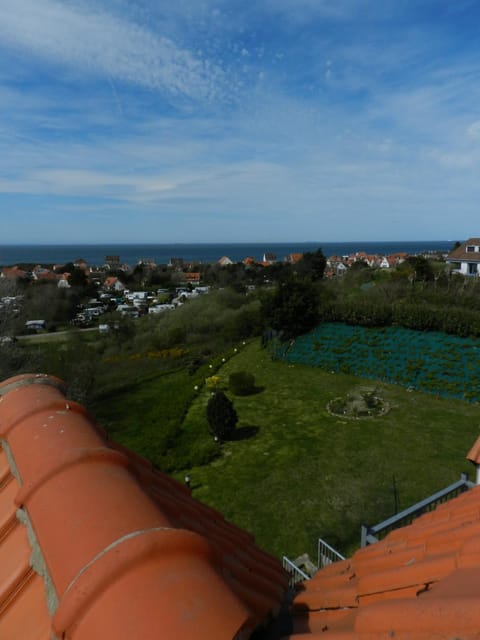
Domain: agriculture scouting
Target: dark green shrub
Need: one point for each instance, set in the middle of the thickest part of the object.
(176, 335)
(244, 323)
(241, 383)
(222, 417)
(292, 308)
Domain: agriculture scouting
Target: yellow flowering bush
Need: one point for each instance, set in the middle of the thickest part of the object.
(175, 352)
(212, 382)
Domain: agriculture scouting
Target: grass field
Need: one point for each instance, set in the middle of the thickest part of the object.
(295, 472)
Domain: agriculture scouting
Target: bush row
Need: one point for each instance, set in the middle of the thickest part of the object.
(419, 316)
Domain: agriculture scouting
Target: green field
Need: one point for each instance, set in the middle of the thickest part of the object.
(295, 472)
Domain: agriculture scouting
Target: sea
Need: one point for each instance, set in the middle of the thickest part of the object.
(131, 254)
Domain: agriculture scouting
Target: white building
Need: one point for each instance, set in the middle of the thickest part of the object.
(465, 259)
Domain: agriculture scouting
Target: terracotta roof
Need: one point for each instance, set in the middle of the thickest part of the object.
(474, 454)
(293, 257)
(45, 274)
(14, 272)
(420, 582)
(95, 543)
(461, 253)
(191, 276)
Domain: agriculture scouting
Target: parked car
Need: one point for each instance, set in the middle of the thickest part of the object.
(33, 326)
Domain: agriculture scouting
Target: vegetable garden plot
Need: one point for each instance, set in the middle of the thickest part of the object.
(432, 362)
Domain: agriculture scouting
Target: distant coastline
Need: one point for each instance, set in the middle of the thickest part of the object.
(94, 254)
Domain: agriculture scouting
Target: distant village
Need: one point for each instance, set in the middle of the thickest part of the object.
(190, 272)
(149, 288)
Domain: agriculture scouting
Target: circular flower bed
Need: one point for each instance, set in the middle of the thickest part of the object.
(363, 403)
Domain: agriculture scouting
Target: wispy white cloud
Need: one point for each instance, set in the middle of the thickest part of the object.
(94, 41)
(474, 130)
(359, 128)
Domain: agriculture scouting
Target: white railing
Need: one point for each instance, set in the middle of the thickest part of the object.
(372, 534)
(327, 554)
(295, 573)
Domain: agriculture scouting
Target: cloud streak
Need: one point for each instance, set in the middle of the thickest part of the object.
(282, 120)
(96, 42)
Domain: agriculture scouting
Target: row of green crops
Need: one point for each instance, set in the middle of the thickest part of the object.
(433, 362)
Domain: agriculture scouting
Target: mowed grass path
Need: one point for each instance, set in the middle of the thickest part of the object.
(306, 474)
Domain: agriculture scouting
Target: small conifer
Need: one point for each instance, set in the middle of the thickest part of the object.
(221, 415)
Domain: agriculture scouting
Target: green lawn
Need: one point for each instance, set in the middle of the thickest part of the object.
(295, 472)
(307, 474)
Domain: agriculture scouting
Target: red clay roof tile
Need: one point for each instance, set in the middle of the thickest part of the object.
(421, 581)
(26, 615)
(461, 253)
(474, 453)
(97, 544)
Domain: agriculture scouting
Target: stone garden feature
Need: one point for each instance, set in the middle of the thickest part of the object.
(363, 402)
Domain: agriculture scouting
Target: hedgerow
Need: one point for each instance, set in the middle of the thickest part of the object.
(420, 316)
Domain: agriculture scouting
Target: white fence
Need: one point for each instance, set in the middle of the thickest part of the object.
(327, 554)
(295, 573)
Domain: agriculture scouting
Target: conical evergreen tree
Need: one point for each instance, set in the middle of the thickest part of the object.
(221, 415)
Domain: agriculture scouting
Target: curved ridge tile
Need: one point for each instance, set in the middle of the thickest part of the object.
(126, 550)
(166, 565)
(27, 379)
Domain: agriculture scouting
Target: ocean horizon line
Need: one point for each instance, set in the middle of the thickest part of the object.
(162, 253)
(220, 243)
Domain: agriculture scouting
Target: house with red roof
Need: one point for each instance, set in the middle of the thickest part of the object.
(14, 272)
(112, 283)
(335, 267)
(387, 262)
(63, 282)
(293, 258)
(465, 259)
(269, 257)
(190, 277)
(43, 274)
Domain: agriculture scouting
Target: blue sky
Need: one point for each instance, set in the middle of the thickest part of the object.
(229, 120)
